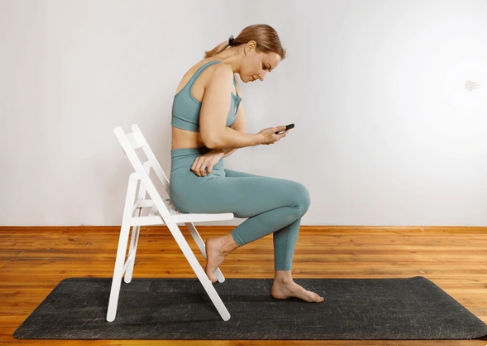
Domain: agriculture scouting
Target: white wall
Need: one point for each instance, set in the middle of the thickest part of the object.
(386, 132)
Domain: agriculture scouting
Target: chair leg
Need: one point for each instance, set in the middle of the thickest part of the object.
(201, 245)
(132, 253)
(200, 273)
(122, 247)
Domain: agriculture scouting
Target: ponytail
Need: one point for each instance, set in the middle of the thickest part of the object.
(222, 46)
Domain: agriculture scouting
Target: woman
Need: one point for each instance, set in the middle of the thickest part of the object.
(208, 122)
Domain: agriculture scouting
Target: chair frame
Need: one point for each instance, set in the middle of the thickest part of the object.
(161, 212)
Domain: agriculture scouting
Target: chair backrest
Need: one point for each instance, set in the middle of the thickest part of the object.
(130, 143)
(134, 140)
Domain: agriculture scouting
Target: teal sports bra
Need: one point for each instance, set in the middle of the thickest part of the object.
(186, 109)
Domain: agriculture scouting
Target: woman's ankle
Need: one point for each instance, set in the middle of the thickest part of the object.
(283, 276)
(228, 244)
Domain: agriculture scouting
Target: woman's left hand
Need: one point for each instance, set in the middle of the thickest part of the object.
(203, 164)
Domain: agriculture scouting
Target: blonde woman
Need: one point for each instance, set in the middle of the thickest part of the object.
(208, 124)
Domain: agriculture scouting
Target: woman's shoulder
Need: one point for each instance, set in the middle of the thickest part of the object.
(217, 72)
(218, 68)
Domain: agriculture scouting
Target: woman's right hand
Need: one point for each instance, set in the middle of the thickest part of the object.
(269, 135)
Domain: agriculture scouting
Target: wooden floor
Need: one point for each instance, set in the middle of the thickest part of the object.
(34, 260)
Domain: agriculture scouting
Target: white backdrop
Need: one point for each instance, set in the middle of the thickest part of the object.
(389, 99)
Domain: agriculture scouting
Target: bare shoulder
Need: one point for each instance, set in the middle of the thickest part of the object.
(221, 73)
(219, 79)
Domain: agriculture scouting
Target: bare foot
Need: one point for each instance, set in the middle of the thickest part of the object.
(285, 290)
(214, 257)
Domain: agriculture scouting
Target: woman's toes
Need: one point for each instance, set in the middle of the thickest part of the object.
(316, 298)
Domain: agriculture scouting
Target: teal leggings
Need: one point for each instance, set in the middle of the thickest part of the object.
(270, 205)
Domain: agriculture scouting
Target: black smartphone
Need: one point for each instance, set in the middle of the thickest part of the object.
(288, 127)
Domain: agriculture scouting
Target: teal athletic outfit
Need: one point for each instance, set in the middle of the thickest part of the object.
(270, 205)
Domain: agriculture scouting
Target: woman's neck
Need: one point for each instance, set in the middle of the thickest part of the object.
(230, 57)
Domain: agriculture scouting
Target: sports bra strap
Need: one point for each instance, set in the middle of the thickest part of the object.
(201, 69)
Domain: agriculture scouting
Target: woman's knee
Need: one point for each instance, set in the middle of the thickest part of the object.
(301, 196)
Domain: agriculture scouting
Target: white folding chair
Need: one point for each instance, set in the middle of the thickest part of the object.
(160, 212)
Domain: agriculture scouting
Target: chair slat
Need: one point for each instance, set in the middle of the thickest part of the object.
(136, 139)
(147, 221)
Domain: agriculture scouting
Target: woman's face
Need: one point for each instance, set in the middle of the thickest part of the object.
(255, 64)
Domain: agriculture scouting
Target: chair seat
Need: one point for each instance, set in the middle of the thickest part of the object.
(177, 216)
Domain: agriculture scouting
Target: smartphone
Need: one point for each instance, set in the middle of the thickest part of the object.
(288, 127)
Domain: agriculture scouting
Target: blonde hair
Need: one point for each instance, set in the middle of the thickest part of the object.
(264, 35)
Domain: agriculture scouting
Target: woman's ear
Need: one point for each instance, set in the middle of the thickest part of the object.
(250, 46)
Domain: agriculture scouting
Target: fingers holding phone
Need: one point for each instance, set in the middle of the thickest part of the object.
(284, 128)
(273, 134)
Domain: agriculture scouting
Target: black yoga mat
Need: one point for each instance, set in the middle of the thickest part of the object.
(413, 308)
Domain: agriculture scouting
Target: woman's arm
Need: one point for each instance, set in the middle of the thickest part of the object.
(239, 124)
(213, 115)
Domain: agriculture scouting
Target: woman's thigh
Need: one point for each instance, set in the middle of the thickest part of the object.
(236, 174)
(243, 194)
